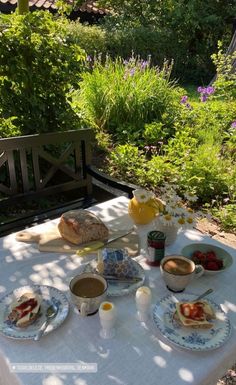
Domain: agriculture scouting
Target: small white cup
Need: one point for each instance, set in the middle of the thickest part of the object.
(175, 279)
(107, 315)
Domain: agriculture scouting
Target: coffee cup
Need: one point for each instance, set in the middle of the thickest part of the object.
(87, 292)
(178, 271)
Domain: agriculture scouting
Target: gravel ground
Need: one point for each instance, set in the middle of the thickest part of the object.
(213, 230)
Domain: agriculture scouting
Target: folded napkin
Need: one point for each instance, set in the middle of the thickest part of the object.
(119, 264)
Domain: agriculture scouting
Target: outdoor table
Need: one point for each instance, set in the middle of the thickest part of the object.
(138, 354)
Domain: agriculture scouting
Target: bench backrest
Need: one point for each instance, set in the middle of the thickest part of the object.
(43, 164)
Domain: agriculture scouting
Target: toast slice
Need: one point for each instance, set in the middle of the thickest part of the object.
(197, 314)
(25, 310)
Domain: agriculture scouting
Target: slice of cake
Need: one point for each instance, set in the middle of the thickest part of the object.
(25, 310)
(194, 314)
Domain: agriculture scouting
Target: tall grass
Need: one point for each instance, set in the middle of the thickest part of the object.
(120, 97)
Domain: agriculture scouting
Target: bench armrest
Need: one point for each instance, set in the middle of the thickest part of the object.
(110, 181)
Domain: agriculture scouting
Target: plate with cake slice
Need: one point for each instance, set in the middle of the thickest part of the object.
(23, 310)
(194, 325)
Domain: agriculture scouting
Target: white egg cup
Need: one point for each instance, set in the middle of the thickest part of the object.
(143, 298)
(107, 315)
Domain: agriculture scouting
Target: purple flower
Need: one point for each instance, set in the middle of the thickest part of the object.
(203, 98)
(209, 90)
(132, 72)
(233, 124)
(200, 89)
(144, 64)
(205, 92)
(184, 99)
(88, 58)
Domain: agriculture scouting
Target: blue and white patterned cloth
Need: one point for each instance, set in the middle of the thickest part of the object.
(118, 263)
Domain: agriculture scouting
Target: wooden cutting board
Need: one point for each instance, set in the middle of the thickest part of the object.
(51, 241)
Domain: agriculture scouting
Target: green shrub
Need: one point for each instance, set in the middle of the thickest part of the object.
(8, 127)
(38, 68)
(127, 162)
(186, 32)
(121, 97)
(91, 38)
(227, 217)
(225, 82)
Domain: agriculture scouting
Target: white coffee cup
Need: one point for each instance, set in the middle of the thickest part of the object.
(178, 271)
(87, 292)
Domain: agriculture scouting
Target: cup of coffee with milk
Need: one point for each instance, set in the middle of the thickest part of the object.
(87, 292)
(178, 271)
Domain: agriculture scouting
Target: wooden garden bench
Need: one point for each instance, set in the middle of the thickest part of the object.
(35, 166)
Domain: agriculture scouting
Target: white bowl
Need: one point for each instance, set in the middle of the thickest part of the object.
(222, 254)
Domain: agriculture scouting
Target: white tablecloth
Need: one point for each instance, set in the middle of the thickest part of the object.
(138, 354)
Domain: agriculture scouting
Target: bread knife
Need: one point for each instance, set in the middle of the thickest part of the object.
(96, 245)
(122, 279)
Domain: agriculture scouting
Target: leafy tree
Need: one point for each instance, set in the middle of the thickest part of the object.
(186, 30)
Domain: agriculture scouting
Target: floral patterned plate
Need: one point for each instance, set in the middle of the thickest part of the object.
(49, 294)
(188, 338)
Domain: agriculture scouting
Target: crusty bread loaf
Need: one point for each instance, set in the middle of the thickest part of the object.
(25, 310)
(82, 226)
(194, 314)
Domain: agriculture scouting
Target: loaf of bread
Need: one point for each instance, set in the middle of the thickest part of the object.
(82, 226)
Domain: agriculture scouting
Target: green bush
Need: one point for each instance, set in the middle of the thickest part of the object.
(127, 161)
(91, 38)
(38, 68)
(186, 32)
(225, 82)
(122, 97)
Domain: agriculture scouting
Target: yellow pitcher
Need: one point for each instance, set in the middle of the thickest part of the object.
(144, 207)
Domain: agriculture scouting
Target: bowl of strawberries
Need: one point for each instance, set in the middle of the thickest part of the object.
(213, 258)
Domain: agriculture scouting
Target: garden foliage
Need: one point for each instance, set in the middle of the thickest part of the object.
(149, 129)
(189, 143)
(122, 97)
(38, 67)
(173, 29)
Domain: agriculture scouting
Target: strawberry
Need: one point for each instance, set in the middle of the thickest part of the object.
(196, 253)
(202, 257)
(211, 256)
(212, 265)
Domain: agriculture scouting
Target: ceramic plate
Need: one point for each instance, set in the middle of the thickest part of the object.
(49, 294)
(116, 289)
(187, 338)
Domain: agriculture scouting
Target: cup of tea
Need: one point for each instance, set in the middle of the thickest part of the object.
(87, 292)
(178, 271)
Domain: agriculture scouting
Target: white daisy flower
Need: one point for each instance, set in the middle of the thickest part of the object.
(167, 219)
(170, 208)
(143, 196)
(190, 221)
(181, 221)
